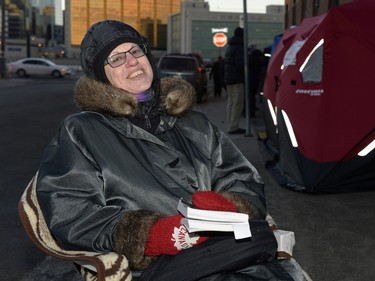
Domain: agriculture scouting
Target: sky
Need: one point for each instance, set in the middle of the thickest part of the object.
(253, 6)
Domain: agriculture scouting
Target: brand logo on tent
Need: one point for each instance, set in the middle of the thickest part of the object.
(310, 92)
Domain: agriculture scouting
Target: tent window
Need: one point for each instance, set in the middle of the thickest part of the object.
(290, 55)
(312, 68)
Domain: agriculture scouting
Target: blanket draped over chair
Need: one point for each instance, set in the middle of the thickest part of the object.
(94, 266)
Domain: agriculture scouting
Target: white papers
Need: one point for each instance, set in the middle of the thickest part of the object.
(196, 220)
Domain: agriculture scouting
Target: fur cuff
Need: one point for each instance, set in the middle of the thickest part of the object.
(131, 235)
(243, 205)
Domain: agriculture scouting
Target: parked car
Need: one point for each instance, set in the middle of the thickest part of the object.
(185, 67)
(38, 66)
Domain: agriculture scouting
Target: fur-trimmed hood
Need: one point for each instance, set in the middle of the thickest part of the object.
(177, 97)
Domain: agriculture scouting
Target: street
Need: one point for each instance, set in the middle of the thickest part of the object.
(30, 112)
(334, 232)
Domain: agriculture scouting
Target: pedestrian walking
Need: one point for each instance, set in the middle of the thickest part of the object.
(217, 74)
(255, 71)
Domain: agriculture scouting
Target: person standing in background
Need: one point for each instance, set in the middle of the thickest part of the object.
(234, 76)
(217, 73)
(255, 72)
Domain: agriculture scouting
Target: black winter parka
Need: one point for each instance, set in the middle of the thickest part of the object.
(103, 181)
(234, 61)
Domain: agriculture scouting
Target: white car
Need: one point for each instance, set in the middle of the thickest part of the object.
(38, 66)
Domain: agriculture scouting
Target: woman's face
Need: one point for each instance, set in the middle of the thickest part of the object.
(134, 76)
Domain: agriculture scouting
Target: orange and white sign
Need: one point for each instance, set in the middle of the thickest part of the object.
(219, 39)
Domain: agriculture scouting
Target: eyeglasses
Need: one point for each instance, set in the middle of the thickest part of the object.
(119, 59)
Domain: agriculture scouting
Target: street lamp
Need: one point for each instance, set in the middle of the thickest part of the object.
(2, 41)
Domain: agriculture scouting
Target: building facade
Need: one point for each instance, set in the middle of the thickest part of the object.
(182, 26)
(192, 30)
(147, 16)
(173, 25)
(28, 27)
(297, 10)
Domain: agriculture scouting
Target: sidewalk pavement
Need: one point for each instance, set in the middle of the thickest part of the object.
(334, 233)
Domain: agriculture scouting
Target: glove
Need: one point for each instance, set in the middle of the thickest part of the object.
(210, 200)
(168, 236)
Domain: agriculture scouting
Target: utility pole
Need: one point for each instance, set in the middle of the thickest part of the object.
(2, 50)
(247, 98)
(53, 11)
(26, 26)
(155, 25)
(2, 41)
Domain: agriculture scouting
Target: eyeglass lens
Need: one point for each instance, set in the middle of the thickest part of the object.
(119, 59)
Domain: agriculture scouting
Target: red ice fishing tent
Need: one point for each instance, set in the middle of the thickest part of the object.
(325, 102)
(293, 34)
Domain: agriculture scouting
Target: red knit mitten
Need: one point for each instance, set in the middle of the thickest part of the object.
(168, 236)
(210, 200)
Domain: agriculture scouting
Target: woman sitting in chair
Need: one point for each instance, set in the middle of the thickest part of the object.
(111, 178)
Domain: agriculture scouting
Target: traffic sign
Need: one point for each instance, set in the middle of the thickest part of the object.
(219, 39)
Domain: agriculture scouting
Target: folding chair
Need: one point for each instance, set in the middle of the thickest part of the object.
(93, 266)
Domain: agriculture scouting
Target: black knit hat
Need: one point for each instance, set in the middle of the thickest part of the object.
(101, 38)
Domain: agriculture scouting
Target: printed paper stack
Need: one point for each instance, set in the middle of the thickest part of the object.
(196, 220)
